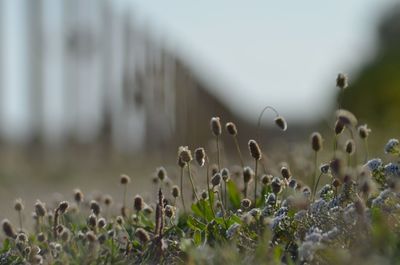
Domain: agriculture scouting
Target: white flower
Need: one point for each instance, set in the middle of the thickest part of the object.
(374, 164)
(392, 146)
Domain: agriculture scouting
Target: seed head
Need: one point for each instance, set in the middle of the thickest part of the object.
(124, 179)
(8, 229)
(40, 208)
(184, 154)
(41, 237)
(200, 156)
(92, 221)
(108, 200)
(119, 220)
(101, 223)
(255, 150)
(339, 127)
(281, 123)
(214, 169)
(363, 131)
(204, 195)
(91, 236)
(216, 179)
(350, 147)
(176, 191)
(336, 167)
(266, 179)
(18, 205)
(285, 172)
(225, 174)
(63, 207)
(341, 81)
(215, 125)
(65, 235)
(37, 259)
(336, 183)
(95, 207)
(78, 196)
(138, 203)
(142, 235)
(161, 173)
(276, 185)
(231, 128)
(245, 203)
(169, 211)
(21, 237)
(316, 141)
(247, 174)
(293, 183)
(181, 164)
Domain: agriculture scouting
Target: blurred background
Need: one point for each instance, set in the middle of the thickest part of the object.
(92, 89)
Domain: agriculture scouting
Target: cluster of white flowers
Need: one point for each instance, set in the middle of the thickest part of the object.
(374, 164)
(392, 169)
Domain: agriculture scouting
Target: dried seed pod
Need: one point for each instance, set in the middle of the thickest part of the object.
(346, 117)
(91, 236)
(95, 207)
(40, 209)
(161, 173)
(78, 196)
(276, 185)
(363, 131)
(285, 172)
(216, 179)
(316, 141)
(341, 81)
(21, 237)
(350, 147)
(176, 191)
(185, 154)
(101, 223)
(225, 174)
(336, 183)
(108, 200)
(92, 221)
(324, 168)
(63, 207)
(215, 125)
(266, 179)
(200, 156)
(281, 123)
(204, 195)
(138, 203)
(247, 174)
(18, 205)
(339, 127)
(125, 179)
(169, 211)
(214, 169)
(255, 150)
(181, 164)
(41, 237)
(231, 128)
(142, 235)
(245, 203)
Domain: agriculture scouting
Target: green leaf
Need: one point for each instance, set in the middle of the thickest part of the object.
(195, 224)
(197, 237)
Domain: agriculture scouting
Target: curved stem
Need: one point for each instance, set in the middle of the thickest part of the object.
(218, 155)
(20, 220)
(315, 172)
(183, 200)
(366, 150)
(259, 119)
(316, 186)
(208, 187)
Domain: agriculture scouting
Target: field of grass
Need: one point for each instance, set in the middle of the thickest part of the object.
(335, 205)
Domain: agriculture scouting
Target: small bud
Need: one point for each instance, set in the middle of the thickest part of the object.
(161, 173)
(245, 203)
(169, 211)
(95, 207)
(324, 168)
(142, 235)
(231, 128)
(350, 147)
(138, 203)
(363, 131)
(266, 179)
(341, 81)
(200, 156)
(215, 125)
(281, 123)
(316, 141)
(101, 223)
(216, 179)
(18, 205)
(204, 195)
(247, 174)
(108, 200)
(125, 179)
(225, 174)
(285, 172)
(175, 191)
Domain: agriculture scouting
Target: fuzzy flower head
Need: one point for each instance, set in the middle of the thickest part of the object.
(374, 164)
(392, 169)
(392, 147)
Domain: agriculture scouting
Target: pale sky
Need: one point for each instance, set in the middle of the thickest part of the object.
(281, 53)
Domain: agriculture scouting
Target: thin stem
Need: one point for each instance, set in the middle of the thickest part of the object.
(316, 186)
(334, 146)
(20, 220)
(259, 119)
(124, 198)
(366, 150)
(315, 172)
(183, 200)
(218, 154)
(245, 190)
(238, 150)
(226, 195)
(255, 183)
(208, 186)
(191, 182)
